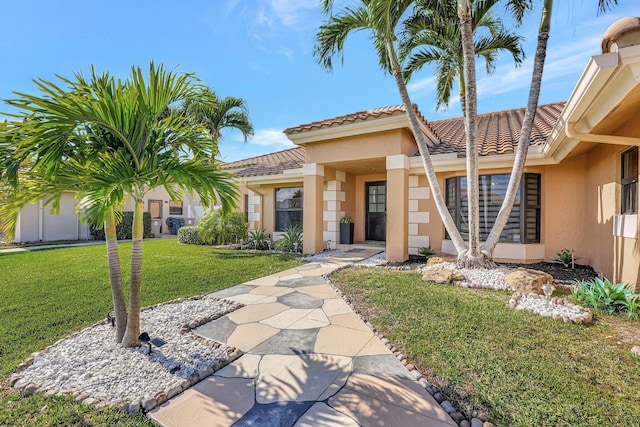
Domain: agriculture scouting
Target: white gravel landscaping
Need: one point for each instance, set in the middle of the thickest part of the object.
(374, 261)
(479, 278)
(322, 255)
(91, 365)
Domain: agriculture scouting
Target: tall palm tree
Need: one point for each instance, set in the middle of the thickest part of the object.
(107, 140)
(382, 19)
(433, 37)
(518, 8)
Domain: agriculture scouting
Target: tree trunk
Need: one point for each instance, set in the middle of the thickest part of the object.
(115, 275)
(525, 132)
(133, 320)
(474, 257)
(421, 141)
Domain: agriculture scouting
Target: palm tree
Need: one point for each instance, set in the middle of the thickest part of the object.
(382, 18)
(517, 8)
(433, 37)
(108, 140)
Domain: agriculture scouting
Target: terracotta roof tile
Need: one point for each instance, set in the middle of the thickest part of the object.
(268, 164)
(498, 132)
(354, 117)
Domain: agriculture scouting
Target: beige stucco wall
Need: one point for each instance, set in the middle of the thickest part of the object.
(360, 147)
(618, 258)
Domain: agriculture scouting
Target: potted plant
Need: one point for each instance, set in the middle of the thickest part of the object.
(346, 230)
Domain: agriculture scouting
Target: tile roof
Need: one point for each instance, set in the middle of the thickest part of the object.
(353, 117)
(498, 132)
(268, 164)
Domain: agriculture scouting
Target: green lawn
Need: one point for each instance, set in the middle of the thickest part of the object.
(513, 368)
(46, 293)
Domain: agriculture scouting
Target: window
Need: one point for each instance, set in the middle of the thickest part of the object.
(289, 207)
(629, 181)
(523, 225)
(246, 208)
(175, 208)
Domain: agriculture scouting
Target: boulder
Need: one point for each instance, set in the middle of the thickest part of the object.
(526, 280)
(440, 274)
(433, 260)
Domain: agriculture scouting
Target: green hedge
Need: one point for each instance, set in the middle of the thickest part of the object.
(123, 229)
(189, 235)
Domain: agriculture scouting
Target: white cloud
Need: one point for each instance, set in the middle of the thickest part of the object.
(290, 13)
(274, 138)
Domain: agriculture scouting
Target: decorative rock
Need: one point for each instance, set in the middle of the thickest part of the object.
(161, 398)
(457, 417)
(488, 424)
(465, 423)
(476, 422)
(424, 383)
(448, 407)
(149, 403)
(124, 407)
(441, 274)
(438, 397)
(173, 392)
(134, 407)
(433, 260)
(411, 366)
(635, 350)
(538, 304)
(401, 357)
(82, 397)
(384, 341)
(14, 379)
(50, 392)
(414, 374)
(30, 390)
(90, 401)
(527, 280)
(404, 362)
(21, 383)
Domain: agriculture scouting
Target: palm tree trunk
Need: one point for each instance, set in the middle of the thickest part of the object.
(474, 257)
(525, 132)
(421, 141)
(115, 275)
(133, 319)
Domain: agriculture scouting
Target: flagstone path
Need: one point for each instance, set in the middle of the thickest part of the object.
(309, 361)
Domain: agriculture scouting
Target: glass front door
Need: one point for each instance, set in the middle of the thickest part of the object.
(376, 222)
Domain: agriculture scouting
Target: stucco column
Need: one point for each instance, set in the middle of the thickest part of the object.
(313, 208)
(397, 208)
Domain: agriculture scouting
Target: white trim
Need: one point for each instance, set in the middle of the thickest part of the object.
(625, 226)
(313, 169)
(514, 251)
(397, 161)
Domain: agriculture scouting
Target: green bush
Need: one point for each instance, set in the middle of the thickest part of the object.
(259, 240)
(604, 295)
(218, 229)
(124, 229)
(291, 240)
(427, 252)
(189, 235)
(565, 257)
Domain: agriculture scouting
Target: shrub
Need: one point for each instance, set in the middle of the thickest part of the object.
(565, 257)
(427, 252)
(189, 235)
(218, 229)
(124, 229)
(291, 240)
(604, 295)
(346, 220)
(259, 239)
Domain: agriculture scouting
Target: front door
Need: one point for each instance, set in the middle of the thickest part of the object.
(376, 222)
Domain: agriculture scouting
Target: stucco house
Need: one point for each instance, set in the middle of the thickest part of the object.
(579, 190)
(37, 223)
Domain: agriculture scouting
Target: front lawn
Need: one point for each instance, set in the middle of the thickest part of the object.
(513, 368)
(47, 293)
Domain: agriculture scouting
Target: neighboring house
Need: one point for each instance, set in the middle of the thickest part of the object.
(37, 223)
(579, 190)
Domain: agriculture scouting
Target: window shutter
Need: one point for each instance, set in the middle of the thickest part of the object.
(530, 219)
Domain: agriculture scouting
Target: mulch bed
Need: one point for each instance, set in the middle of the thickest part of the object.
(557, 270)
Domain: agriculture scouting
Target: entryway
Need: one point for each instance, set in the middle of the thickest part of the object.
(376, 211)
(155, 209)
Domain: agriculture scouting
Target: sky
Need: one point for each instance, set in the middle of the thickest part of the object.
(262, 51)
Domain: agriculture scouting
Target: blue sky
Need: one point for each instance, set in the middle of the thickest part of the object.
(261, 50)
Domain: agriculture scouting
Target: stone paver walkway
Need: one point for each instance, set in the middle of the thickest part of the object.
(309, 361)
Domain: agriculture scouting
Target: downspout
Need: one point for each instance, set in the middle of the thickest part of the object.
(40, 221)
(570, 130)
